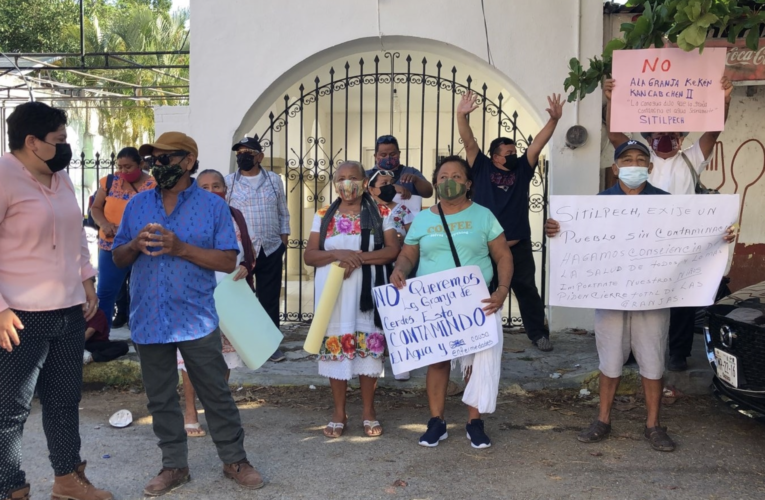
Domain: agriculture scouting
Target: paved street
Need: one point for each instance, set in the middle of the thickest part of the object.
(535, 452)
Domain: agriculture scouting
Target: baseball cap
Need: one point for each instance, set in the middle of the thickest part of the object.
(171, 141)
(248, 142)
(626, 146)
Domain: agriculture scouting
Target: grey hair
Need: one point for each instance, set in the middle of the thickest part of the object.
(356, 164)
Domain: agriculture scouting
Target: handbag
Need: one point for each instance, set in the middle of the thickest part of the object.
(89, 221)
(699, 188)
(449, 236)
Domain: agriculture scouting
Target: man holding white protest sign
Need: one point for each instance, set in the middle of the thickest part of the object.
(453, 233)
(617, 332)
(675, 170)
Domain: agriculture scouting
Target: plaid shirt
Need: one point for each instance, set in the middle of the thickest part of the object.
(264, 209)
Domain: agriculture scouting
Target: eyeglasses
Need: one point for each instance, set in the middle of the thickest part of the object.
(165, 158)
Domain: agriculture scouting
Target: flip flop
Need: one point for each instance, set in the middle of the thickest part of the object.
(334, 427)
(371, 424)
(195, 430)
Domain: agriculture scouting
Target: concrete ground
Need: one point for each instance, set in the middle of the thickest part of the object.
(534, 455)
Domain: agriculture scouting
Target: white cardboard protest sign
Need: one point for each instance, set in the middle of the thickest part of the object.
(436, 318)
(638, 252)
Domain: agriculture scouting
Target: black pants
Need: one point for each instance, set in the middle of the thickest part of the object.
(681, 324)
(268, 281)
(49, 356)
(207, 371)
(107, 350)
(524, 286)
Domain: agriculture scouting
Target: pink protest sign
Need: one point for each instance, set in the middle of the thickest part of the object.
(668, 90)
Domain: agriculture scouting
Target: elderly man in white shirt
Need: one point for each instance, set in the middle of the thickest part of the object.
(675, 170)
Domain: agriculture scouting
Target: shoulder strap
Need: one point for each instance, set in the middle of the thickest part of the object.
(449, 236)
(109, 182)
(694, 174)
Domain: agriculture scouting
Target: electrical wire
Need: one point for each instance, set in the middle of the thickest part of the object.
(486, 31)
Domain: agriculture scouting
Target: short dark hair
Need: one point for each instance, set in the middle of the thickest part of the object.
(386, 139)
(465, 167)
(496, 143)
(33, 118)
(130, 153)
(212, 172)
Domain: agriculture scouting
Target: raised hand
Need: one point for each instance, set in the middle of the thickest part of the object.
(608, 87)
(467, 104)
(727, 86)
(556, 107)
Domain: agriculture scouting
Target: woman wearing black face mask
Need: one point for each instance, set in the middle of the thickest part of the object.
(46, 296)
(382, 189)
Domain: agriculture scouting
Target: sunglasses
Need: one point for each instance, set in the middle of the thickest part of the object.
(386, 139)
(245, 151)
(385, 173)
(164, 159)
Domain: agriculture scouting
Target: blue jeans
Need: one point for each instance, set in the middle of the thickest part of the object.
(110, 280)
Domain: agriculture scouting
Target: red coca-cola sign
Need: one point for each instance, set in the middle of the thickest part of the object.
(742, 64)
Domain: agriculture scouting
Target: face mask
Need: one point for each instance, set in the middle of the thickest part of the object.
(131, 176)
(451, 189)
(387, 193)
(349, 190)
(61, 159)
(221, 194)
(388, 163)
(664, 144)
(246, 162)
(167, 176)
(633, 177)
(511, 161)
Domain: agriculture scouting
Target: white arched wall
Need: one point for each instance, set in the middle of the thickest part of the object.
(242, 49)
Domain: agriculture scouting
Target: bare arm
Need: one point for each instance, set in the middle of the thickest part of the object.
(406, 261)
(615, 138)
(708, 139)
(466, 106)
(97, 209)
(543, 137)
(424, 187)
(500, 253)
(320, 258)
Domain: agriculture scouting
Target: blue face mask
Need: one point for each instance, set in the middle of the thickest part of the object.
(633, 177)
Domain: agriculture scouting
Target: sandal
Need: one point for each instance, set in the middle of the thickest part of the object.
(334, 429)
(659, 439)
(596, 432)
(370, 425)
(195, 430)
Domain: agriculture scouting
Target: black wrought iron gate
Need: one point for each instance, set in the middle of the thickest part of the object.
(346, 111)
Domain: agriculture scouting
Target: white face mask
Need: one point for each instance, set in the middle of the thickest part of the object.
(633, 177)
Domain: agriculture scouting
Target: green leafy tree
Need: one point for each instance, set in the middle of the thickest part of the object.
(37, 25)
(681, 22)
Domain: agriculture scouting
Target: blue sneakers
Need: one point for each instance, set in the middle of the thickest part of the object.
(436, 432)
(476, 435)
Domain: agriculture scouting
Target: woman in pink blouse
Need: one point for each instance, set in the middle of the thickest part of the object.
(46, 296)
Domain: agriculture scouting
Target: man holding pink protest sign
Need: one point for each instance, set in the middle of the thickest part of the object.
(675, 170)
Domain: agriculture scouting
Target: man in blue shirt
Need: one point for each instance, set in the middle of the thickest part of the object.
(616, 332)
(408, 180)
(501, 183)
(176, 237)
